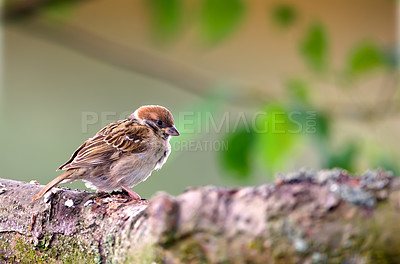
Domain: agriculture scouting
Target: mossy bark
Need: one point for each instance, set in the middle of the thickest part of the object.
(304, 217)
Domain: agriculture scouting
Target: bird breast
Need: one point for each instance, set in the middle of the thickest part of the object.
(135, 168)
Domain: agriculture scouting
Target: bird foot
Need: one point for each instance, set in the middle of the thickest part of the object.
(131, 193)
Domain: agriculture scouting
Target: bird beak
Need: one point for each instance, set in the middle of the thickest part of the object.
(171, 131)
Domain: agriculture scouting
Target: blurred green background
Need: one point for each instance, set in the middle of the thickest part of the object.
(256, 87)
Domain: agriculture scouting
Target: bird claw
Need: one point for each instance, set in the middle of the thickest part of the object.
(131, 193)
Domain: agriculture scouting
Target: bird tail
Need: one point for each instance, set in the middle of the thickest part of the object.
(51, 184)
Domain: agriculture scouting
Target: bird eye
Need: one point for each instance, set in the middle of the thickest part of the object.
(159, 123)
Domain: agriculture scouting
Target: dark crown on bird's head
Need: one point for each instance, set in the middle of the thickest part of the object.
(157, 118)
(153, 112)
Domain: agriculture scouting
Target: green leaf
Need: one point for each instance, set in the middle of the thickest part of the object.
(364, 58)
(322, 126)
(220, 18)
(284, 15)
(314, 123)
(167, 18)
(237, 157)
(345, 159)
(310, 122)
(298, 90)
(277, 135)
(314, 47)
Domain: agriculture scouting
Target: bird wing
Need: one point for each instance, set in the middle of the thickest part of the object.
(109, 144)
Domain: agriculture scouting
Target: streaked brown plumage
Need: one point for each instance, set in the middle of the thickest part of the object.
(122, 154)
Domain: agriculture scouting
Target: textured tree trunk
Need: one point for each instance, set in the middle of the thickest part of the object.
(305, 217)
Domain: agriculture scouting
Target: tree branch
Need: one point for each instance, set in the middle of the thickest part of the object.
(131, 58)
(21, 9)
(305, 217)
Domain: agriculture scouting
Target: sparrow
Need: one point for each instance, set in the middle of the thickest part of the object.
(122, 154)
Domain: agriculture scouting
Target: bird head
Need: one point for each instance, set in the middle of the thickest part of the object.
(158, 118)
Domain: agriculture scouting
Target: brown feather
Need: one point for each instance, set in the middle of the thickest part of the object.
(72, 156)
(51, 184)
(121, 136)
